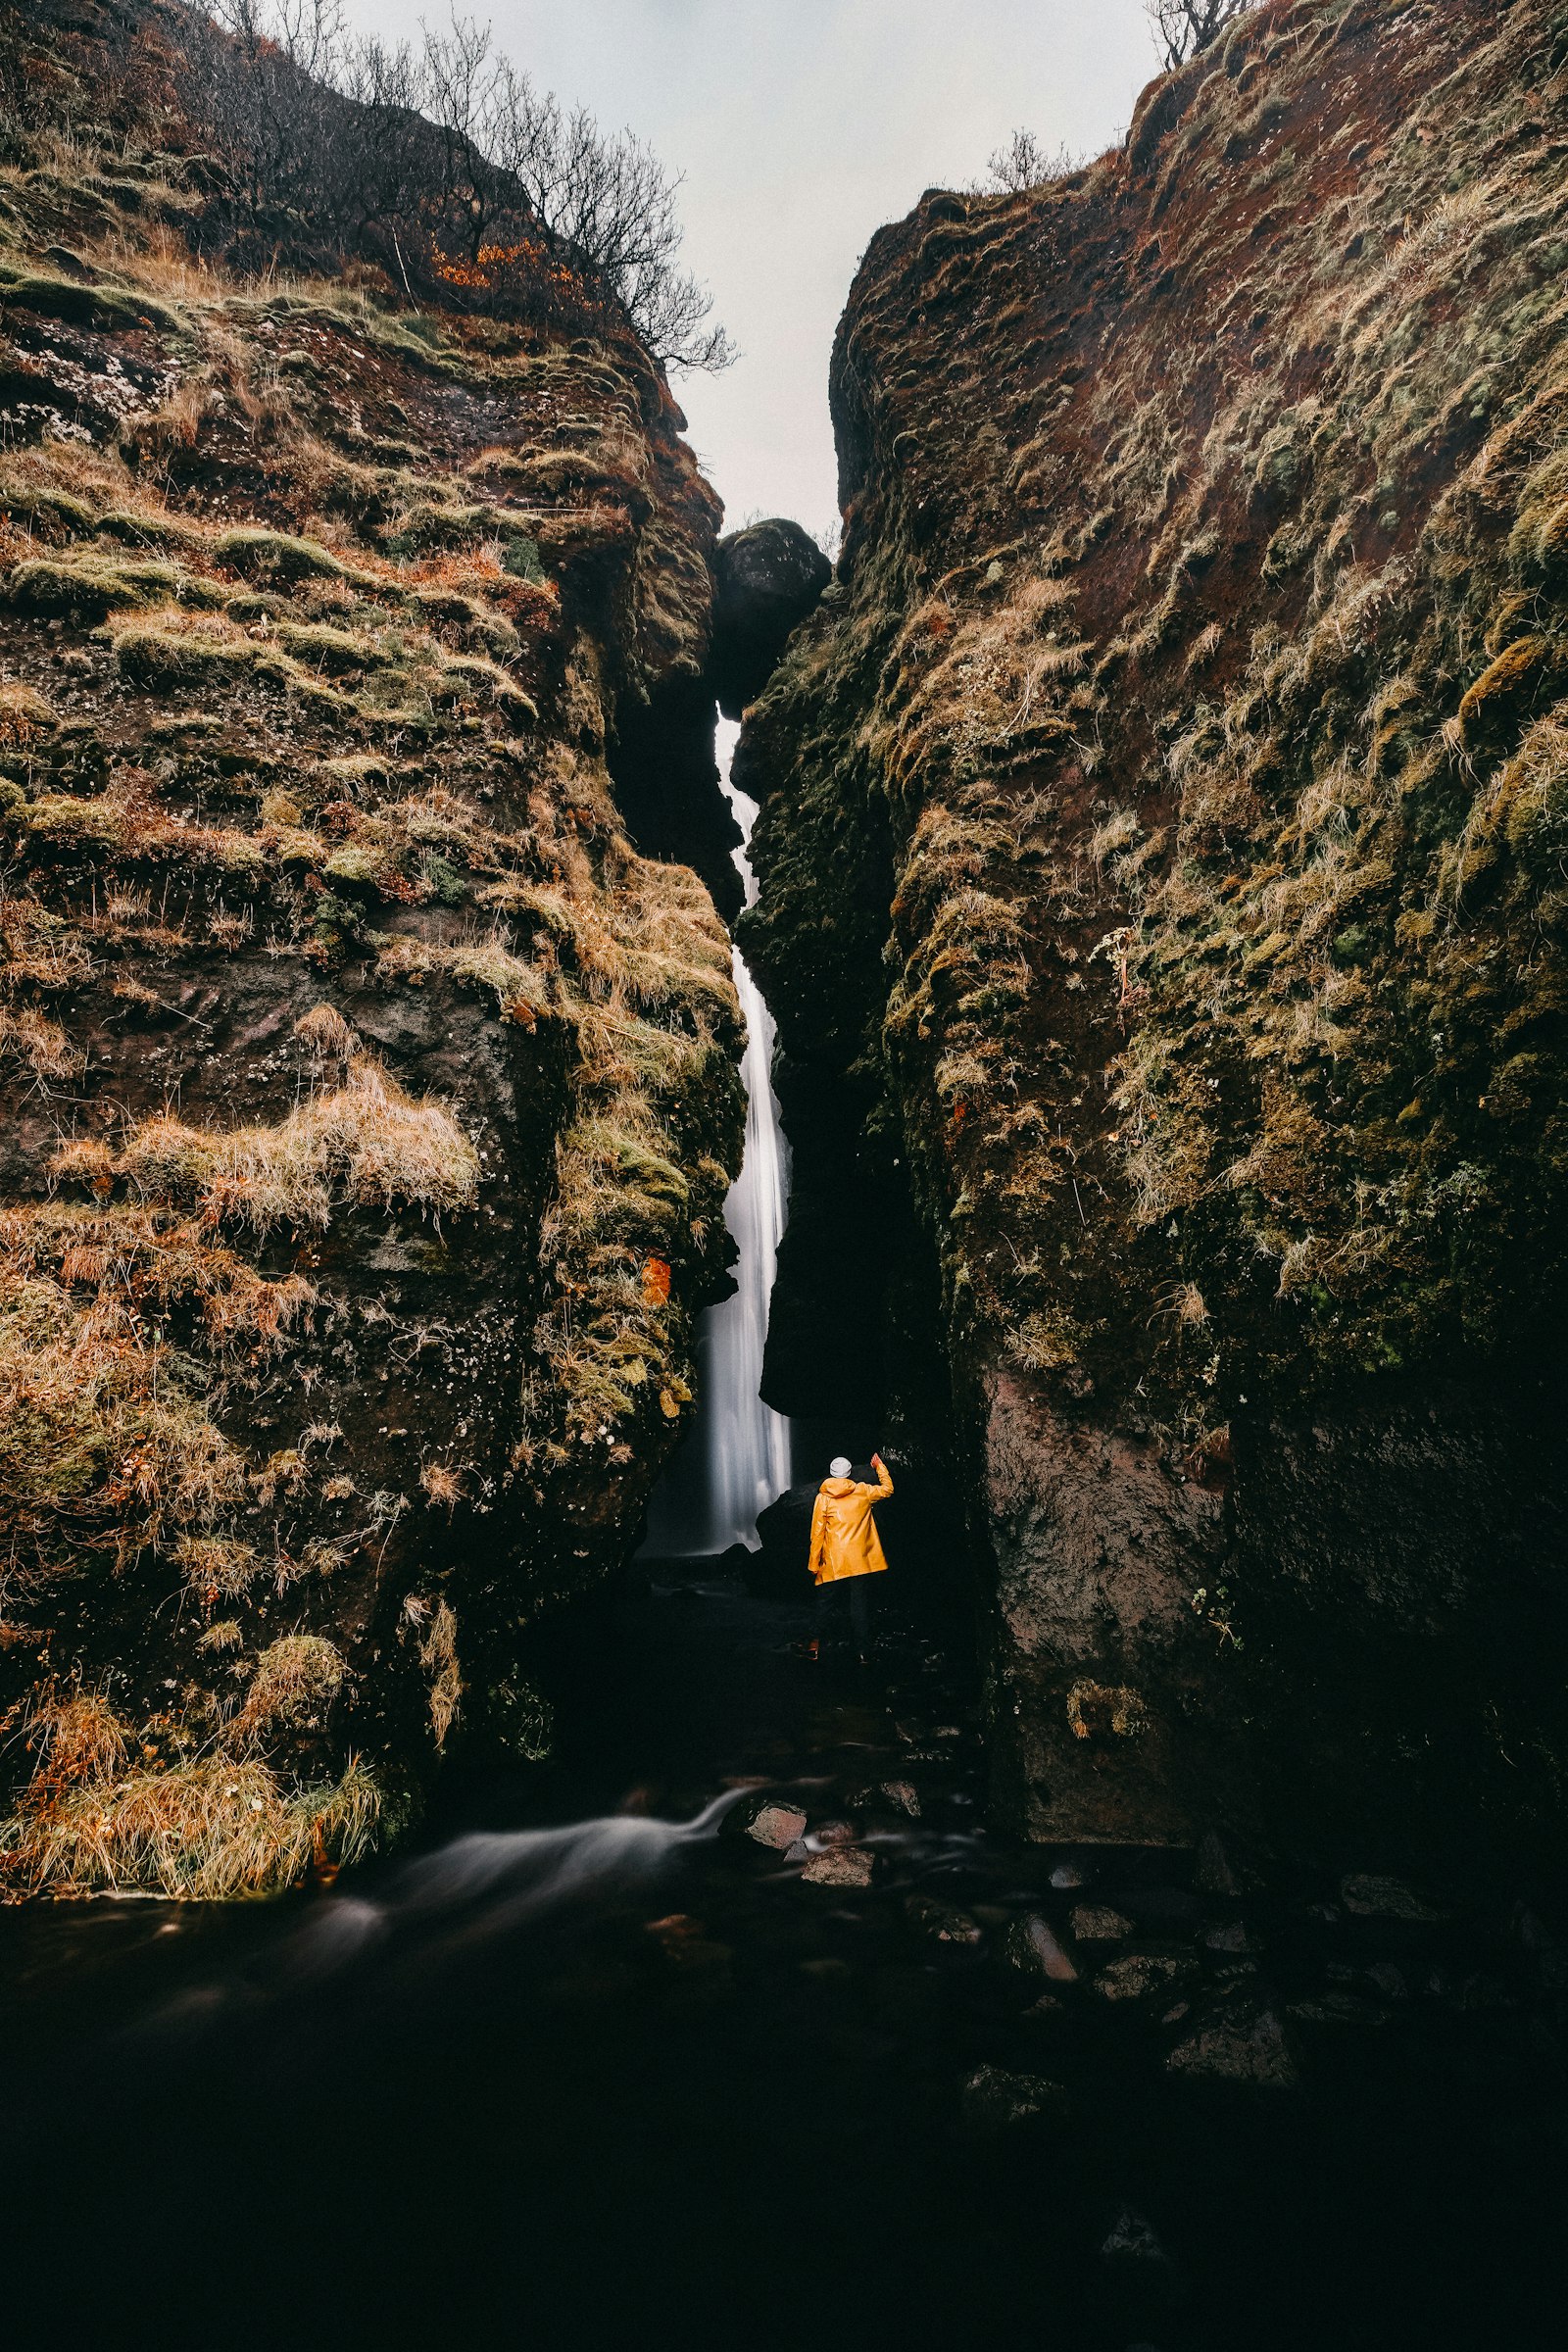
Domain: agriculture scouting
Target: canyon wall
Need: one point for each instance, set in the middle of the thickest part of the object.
(369, 1100)
(1162, 902)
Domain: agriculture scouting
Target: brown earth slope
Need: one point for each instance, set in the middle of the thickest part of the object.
(1163, 876)
(369, 1102)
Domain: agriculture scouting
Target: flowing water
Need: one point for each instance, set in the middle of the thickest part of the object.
(736, 1459)
(597, 2068)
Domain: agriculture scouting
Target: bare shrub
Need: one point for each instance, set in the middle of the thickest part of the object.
(1023, 162)
(438, 161)
(1182, 27)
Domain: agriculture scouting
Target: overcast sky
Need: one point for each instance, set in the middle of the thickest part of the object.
(801, 125)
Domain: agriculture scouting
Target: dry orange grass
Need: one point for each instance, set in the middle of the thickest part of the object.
(366, 1139)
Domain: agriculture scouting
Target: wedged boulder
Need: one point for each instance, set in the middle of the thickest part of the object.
(778, 1567)
(766, 579)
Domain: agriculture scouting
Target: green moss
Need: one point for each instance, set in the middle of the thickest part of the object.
(94, 586)
(521, 557)
(449, 884)
(339, 651)
(99, 306)
(136, 529)
(164, 663)
(262, 555)
(54, 509)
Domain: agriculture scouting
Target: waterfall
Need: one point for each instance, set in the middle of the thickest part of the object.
(736, 1458)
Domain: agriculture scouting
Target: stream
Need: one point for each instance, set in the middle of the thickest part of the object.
(594, 2065)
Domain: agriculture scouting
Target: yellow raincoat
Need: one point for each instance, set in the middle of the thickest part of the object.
(843, 1537)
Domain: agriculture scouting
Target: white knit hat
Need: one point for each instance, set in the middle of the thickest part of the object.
(839, 1466)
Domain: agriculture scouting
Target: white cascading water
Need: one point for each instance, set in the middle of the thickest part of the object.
(736, 1461)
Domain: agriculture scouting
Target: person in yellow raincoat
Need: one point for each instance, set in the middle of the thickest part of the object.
(845, 1549)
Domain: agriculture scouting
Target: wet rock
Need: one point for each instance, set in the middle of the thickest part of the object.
(833, 1833)
(1246, 2048)
(1050, 2010)
(1094, 1922)
(1389, 1980)
(1140, 1973)
(777, 1826)
(903, 1793)
(766, 579)
(1371, 1896)
(995, 2100)
(1032, 1946)
(1335, 2009)
(939, 1921)
(1213, 1873)
(1232, 1937)
(839, 1866)
(1068, 1876)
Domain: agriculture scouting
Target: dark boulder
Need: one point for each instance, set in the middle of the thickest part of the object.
(766, 579)
(778, 1567)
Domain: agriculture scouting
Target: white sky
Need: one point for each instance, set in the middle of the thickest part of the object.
(801, 125)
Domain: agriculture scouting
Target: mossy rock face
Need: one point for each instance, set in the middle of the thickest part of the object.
(318, 901)
(1161, 860)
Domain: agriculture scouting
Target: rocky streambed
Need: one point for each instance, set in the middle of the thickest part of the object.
(833, 2062)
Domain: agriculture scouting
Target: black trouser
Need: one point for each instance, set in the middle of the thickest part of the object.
(852, 1593)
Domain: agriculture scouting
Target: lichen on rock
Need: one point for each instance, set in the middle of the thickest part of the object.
(356, 1063)
(1160, 881)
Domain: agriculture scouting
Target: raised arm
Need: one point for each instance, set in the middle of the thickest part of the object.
(884, 1484)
